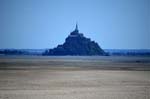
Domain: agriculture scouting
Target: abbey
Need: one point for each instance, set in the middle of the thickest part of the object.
(76, 44)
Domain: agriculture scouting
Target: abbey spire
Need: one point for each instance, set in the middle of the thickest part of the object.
(76, 27)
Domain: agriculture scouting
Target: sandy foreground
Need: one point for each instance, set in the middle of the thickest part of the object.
(28, 81)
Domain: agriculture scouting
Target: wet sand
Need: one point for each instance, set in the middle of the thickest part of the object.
(74, 78)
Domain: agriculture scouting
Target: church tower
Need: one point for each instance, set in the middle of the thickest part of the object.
(76, 31)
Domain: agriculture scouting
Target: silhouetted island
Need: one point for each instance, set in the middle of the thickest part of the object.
(76, 44)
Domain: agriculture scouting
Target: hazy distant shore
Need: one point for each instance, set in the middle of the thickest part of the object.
(109, 52)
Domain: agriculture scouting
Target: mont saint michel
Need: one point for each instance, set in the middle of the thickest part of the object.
(76, 44)
(44, 54)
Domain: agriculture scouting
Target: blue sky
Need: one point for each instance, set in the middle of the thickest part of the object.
(114, 24)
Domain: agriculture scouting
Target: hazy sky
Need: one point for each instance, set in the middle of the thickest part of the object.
(119, 24)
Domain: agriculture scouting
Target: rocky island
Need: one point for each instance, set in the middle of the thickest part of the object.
(76, 44)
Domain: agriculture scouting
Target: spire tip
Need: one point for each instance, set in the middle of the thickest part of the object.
(76, 26)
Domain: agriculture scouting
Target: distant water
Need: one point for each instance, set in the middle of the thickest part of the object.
(81, 58)
(75, 62)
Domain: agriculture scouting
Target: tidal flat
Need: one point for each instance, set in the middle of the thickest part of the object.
(74, 77)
